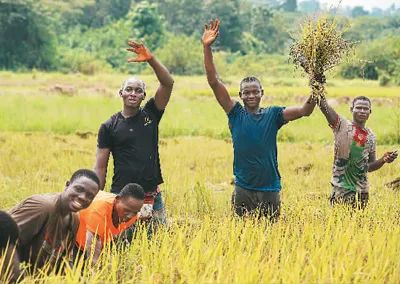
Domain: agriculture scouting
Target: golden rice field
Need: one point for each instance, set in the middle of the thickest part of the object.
(204, 243)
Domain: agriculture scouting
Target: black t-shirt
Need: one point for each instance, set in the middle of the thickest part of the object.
(133, 143)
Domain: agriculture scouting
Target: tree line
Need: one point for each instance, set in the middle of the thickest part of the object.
(89, 36)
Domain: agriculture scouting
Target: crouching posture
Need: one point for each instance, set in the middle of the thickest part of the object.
(106, 218)
(48, 222)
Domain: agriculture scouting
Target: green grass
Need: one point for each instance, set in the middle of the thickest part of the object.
(29, 104)
(204, 243)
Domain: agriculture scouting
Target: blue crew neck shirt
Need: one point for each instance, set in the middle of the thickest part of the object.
(255, 161)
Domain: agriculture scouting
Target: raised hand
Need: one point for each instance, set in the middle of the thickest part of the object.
(389, 157)
(211, 32)
(143, 54)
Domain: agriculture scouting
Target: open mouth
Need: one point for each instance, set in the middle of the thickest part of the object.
(76, 205)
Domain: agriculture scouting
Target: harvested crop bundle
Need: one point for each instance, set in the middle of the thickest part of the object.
(319, 48)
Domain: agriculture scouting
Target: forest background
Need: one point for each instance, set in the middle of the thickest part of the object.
(90, 36)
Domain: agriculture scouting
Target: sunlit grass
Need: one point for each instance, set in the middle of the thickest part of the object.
(42, 142)
(204, 243)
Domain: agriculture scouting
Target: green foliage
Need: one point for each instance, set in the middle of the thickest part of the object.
(147, 24)
(45, 34)
(107, 44)
(79, 60)
(103, 12)
(26, 40)
(270, 29)
(380, 57)
(367, 28)
(182, 55)
(228, 11)
(183, 16)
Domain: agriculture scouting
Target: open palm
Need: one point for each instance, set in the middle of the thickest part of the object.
(143, 54)
(210, 32)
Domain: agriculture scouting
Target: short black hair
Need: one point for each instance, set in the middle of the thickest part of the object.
(85, 173)
(9, 231)
(360, 98)
(133, 190)
(249, 79)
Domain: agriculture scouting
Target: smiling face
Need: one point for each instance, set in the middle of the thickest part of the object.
(251, 93)
(79, 194)
(133, 92)
(361, 110)
(127, 207)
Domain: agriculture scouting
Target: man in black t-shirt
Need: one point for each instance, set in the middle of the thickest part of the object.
(131, 135)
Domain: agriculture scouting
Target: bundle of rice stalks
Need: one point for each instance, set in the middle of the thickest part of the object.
(320, 47)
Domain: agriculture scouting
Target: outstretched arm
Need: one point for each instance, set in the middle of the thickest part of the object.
(295, 112)
(221, 93)
(374, 164)
(100, 168)
(164, 77)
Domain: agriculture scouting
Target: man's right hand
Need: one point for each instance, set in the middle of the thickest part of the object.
(210, 33)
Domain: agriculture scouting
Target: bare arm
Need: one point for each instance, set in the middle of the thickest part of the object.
(330, 114)
(295, 112)
(164, 77)
(100, 168)
(221, 93)
(93, 248)
(374, 164)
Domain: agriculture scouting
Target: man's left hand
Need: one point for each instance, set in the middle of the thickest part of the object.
(389, 157)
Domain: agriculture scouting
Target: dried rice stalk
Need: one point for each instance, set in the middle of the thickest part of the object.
(319, 48)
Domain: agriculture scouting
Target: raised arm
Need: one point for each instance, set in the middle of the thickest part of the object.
(221, 93)
(100, 168)
(374, 164)
(295, 112)
(164, 77)
(330, 114)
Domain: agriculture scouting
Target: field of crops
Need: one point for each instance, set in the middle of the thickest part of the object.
(48, 126)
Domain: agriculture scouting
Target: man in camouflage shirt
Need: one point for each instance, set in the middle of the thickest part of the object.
(355, 153)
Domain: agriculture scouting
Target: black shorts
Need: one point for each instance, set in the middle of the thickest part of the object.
(261, 203)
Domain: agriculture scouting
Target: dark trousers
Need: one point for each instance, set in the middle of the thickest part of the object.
(357, 200)
(259, 203)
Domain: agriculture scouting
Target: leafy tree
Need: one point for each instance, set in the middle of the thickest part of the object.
(231, 30)
(263, 29)
(182, 55)
(183, 16)
(147, 24)
(25, 36)
(103, 12)
(108, 44)
(382, 57)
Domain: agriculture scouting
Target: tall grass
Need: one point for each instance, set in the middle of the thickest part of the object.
(204, 243)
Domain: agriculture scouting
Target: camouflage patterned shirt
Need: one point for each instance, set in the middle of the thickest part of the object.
(353, 148)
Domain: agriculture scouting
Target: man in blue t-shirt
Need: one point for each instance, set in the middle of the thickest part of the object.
(254, 131)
